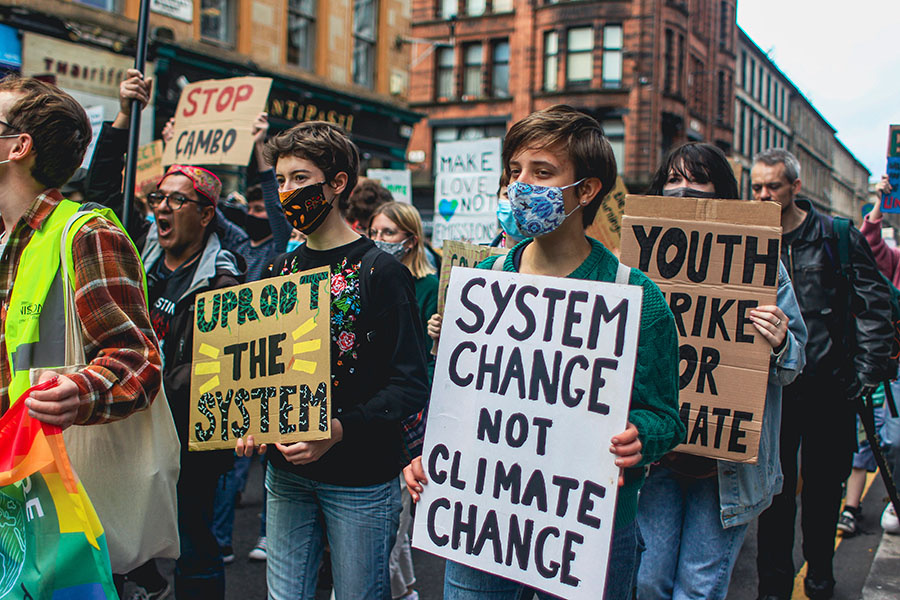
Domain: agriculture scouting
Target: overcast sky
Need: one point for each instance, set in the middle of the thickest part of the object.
(844, 56)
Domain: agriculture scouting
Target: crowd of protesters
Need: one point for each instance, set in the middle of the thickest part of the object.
(349, 500)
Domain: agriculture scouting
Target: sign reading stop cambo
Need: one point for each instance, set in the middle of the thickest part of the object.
(262, 362)
(714, 261)
(213, 121)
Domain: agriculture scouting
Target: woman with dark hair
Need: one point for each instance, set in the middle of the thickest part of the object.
(694, 511)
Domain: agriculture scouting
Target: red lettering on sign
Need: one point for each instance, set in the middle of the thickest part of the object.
(192, 102)
(209, 94)
(243, 94)
(224, 98)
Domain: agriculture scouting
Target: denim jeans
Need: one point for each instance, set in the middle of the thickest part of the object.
(361, 524)
(689, 554)
(462, 582)
(227, 490)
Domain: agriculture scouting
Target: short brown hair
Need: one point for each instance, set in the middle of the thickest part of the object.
(57, 124)
(324, 144)
(365, 198)
(575, 132)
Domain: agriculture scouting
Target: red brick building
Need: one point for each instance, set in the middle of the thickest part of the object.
(655, 73)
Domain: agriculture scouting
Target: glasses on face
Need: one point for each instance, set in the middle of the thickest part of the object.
(375, 234)
(11, 127)
(175, 200)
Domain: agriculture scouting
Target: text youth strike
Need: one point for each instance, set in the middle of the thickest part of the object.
(533, 379)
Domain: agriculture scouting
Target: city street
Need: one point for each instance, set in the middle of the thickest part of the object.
(245, 580)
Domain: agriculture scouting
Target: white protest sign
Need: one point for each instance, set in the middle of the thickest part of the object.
(95, 114)
(465, 191)
(397, 181)
(533, 378)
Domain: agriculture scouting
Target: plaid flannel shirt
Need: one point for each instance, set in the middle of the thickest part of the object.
(123, 372)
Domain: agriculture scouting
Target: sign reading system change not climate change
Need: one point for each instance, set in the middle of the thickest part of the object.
(715, 261)
(262, 362)
(533, 379)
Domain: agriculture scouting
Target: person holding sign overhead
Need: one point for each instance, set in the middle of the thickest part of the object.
(378, 378)
(560, 166)
(694, 511)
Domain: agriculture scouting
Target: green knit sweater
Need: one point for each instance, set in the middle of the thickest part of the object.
(654, 398)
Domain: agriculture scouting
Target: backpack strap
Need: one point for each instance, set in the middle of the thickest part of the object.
(840, 226)
(623, 274)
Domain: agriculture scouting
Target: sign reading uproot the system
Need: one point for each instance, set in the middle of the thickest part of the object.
(714, 260)
(533, 378)
(262, 362)
(465, 191)
(213, 121)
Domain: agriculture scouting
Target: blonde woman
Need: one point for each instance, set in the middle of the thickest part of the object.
(396, 228)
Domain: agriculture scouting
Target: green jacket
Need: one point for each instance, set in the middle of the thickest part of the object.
(654, 398)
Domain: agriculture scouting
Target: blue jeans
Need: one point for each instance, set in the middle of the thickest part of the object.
(227, 490)
(361, 523)
(462, 582)
(689, 554)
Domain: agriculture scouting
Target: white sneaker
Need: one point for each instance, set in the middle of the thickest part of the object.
(259, 551)
(889, 521)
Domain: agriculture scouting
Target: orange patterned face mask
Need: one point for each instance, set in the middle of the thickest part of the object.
(306, 208)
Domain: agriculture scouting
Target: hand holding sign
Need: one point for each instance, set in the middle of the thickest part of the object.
(303, 453)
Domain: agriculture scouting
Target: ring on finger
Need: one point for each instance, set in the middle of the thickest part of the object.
(778, 323)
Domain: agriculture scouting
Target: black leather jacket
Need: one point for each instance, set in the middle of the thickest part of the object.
(847, 344)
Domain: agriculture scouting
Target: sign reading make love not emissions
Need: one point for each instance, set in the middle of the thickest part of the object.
(262, 362)
(213, 121)
(465, 191)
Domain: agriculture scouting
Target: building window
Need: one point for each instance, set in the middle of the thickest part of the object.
(722, 98)
(217, 21)
(739, 128)
(551, 60)
(724, 25)
(579, 56)
(669, 75)
(472, 70)
(475, 8)
(445, 81)
(364, 32)
(614, 130)
(109, 5)
(500, 70)
(501, 6)
(302, 33)
(768, 91)
(612, 56)
(448, 8)
(697, 87)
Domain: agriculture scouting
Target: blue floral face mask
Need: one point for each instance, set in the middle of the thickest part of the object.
(538, 209)
(507, 220)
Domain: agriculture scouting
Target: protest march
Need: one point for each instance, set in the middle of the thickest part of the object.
(474, 301)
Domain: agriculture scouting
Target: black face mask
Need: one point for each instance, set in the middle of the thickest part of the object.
(258, 228)
(687, 192)
(306, 207)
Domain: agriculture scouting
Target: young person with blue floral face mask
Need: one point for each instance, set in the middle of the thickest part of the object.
(694, 511)
(560, 166)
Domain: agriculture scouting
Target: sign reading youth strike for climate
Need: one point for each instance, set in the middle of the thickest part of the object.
(714, 260)
(213, 121)
(533, 379)
(262, 362)
(465, 191)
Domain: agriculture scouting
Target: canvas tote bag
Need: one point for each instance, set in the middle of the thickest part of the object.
(129, 467)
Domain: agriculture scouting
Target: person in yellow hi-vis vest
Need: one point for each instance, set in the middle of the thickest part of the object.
(44, 133)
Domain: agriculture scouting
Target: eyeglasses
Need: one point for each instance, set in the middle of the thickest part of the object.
(383, 233)
(7, 125)
(175, 200)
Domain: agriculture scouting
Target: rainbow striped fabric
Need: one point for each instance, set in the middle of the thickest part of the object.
(51, 541)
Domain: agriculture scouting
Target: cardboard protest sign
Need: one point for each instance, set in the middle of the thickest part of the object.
(262, 362)
(533, 379)
(149, 162)
(714, 261)
(213, 121)
(607, 224)
(397, 181)
(460, 254)
(890, 203)
(95, 115)
(465, 191)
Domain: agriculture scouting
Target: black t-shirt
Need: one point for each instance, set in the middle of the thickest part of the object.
(788, 238)
(165, 287)
(378, 373)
